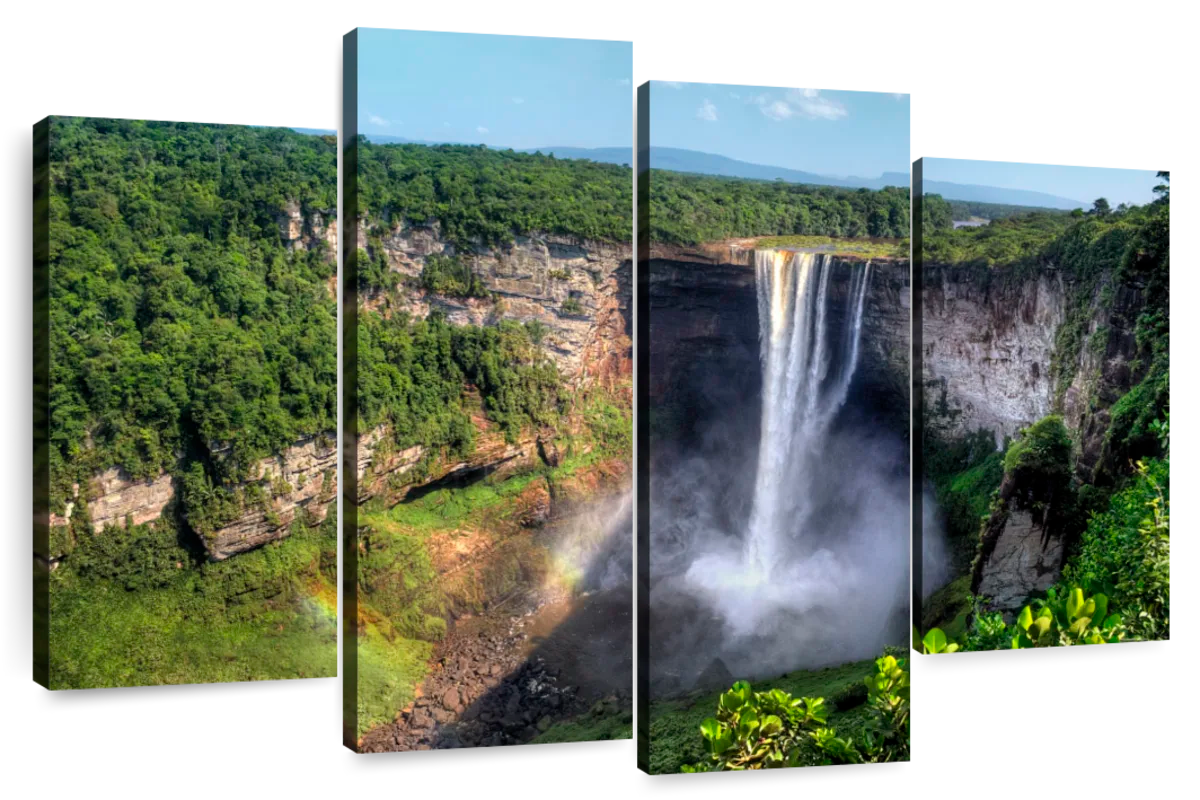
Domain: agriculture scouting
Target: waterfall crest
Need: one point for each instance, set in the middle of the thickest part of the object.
(807, 371)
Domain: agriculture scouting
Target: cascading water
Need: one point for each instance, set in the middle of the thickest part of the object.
(799, 401)
(793, 555)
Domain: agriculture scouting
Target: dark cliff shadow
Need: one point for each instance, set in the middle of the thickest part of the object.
(457, 479)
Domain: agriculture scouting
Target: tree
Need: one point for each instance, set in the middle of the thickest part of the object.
(1163, 190)
(1100, 208)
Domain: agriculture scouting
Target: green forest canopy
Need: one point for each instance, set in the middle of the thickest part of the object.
(412, 374)
(178, 316)
(491, 195)
(966, 209)
(690, 209)
(1083, 243)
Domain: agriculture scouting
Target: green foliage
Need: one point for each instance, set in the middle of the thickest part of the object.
(267, 614)
(1016, 240)
(191, 335)
(1067, 618)
(488, 196)
(1161, 428)
(1043, 449)
(572, 307)
(936, 214)
(965, 472)
(863, 248)
(988, 631)
(131, 556)
(935, 642)
(375, 274)
(177, 312)
(689, 209)
(1115, 587)
(849, 697)
(757, 730)
(208, 507)
(415, 375)
(590, 728)
(449, 276)
(1125, 552)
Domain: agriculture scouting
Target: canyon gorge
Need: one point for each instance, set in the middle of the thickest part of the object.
(1000, 352)
(525, 594)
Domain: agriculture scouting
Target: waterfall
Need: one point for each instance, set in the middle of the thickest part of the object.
(800, 398)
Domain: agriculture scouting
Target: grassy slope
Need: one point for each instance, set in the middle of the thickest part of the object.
(589, 728)
(675, 724)
(194, 630)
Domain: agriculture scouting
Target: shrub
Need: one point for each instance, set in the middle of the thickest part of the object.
(449, 276)
(1043, 450)
(760, 730)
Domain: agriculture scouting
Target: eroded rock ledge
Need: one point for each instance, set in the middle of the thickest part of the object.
(531, 277)
(301, 480)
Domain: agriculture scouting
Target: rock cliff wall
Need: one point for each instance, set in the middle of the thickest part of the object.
(301, 480)
(989, 344)
(531, 277)
(1000, 352)
(704, 348)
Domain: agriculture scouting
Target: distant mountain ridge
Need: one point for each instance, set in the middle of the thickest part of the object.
(994, 194)
(679, 159)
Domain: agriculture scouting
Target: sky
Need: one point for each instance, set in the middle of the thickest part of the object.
(1085, 184)
(832, 133)
(502, 91)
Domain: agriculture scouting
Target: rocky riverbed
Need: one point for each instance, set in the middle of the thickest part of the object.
(509, 675)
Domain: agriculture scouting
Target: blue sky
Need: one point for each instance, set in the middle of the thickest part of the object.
(832, 133)
(502, 91)
(1077, 183)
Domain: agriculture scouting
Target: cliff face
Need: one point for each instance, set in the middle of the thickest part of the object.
(704, 329)
(532, 277)
(987, 346)
(299, 233)
(302, 478)
(320, 228)
(393, 473)
(114, 496)
(993, 353)
(703, 340)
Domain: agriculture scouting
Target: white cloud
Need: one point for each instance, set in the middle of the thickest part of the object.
(481, 129)
(624, 81)
(777, 110)
(518, 100)
(670, 84)
(809, 103)
(375, 119)
(900, 95)
(707, 111)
